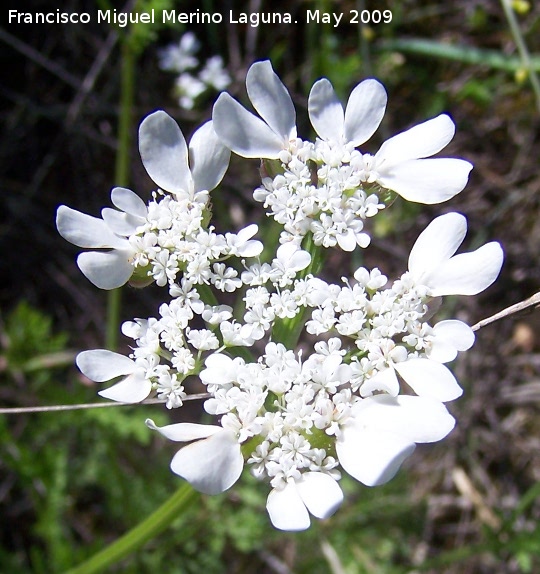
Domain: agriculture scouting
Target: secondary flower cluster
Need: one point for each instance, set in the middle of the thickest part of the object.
(304, 377)
(181, 59)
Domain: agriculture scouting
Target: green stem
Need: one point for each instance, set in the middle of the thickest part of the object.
(465, 54)
(121, 175)
(522, 49)
(156, 523)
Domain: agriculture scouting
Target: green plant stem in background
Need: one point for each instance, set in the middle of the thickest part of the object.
(156, 523)
(465, 54)
(363, 43)
(522, 49)
(121, 175)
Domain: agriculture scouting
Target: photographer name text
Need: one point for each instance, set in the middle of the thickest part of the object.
(253, 19)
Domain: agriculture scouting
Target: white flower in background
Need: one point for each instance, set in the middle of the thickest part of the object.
(114, 267)
(246, 134)
(189, 85)
(188, 89)
(212, 461)
(214, 74)
(315, 493)
(174, 167)
(181, 56)
(432, 261)
(383, 431)
(100, 365)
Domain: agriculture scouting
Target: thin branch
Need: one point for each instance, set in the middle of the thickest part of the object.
(91, 77)
(55, 408)
(40, 59)
(533, 301)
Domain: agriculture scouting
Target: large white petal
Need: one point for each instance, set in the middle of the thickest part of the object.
(184, 432)
(211, 465)
(320, 493)
(429, 379)
(271, 99)
(365, 110)
(129, 201)
(120, 222)
(101, 365)
(287, 510)
(326, 112)
(468, 273)
(84, 230)
(164, 152)
(133, 389)
(420, 141)
(419, 419)
(450, 337)
(372, 457)
(244, 133)
(106, 270)
(437, 243)
(209, 158)
(427, 181)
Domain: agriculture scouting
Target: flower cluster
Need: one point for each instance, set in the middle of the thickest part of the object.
(305, 378)
(181, 59)
(329, 187)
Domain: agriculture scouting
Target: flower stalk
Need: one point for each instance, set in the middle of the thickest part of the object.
(125, 126)
(288, 331)
(146, 530)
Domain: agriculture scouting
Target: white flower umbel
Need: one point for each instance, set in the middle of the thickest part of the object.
(399, 164)
(155, 242)
(114, 266)
(329, 187)
(372, 376)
